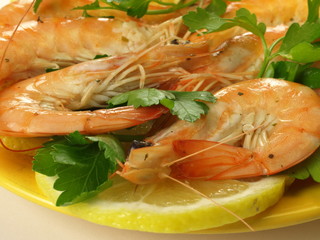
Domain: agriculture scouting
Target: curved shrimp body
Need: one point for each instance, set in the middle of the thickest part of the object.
(237, 59)
(34, 49)
(272, 13)
(44, 105)
(256, 127)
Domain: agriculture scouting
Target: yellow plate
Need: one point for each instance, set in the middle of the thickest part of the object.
(300, 203)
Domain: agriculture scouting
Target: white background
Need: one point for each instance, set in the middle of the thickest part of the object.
(23, 220)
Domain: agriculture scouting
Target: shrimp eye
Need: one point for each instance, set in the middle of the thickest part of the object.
(140, 144)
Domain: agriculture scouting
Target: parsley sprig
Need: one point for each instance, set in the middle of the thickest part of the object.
(82, 165)
(133, 8)
(185, 105)
(136, 8)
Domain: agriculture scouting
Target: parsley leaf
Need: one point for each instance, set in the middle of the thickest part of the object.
(101, 56)
(313, 10)
(136, 8)
(187, 110)
(209, 20)
(308, 168)
(297, 34)
(218, 7)
(304, 53)
(310, 77)
(51, 69)
(140, 98)
(182, 104)
(36, 5)
(204, 19)
(290, 71)
(82, 165)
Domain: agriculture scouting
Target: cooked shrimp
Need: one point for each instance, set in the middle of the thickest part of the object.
(43, 105)
(237, 59)
(54, 43)
(256, 127)
(272, 13)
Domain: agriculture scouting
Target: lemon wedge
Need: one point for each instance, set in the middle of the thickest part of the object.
(169, 207)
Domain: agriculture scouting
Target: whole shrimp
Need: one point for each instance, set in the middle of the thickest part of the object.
(45, 105)
(55, 43)
(256, 127)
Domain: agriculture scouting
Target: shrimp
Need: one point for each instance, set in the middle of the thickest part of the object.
(56, 43)
(237, 59)
(45, 105)
(257, 127)
(272, 13)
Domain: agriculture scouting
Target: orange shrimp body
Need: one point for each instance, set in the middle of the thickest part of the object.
(256, 127)
(45, 105)
(55, 43)
(237, 59)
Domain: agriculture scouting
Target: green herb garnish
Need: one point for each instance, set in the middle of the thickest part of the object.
(182, 104)
(101, 56)
(308, 168)
(136, 8)
(36, 5)
(52, 70)
(82, 165)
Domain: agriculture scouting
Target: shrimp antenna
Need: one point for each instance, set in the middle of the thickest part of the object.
(13, 33)
(210, 199)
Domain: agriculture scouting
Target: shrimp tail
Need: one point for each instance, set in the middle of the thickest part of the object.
(210, 160)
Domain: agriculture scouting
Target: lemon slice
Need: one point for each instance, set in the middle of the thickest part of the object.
(18, 143)
(169, 207)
